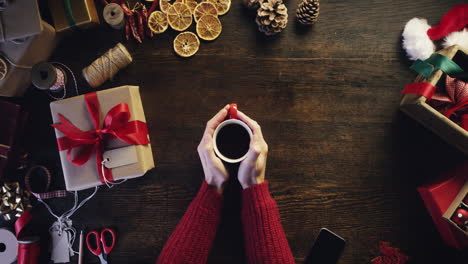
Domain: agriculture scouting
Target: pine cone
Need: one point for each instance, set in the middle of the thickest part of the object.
(251, 4)
(308, 11)
(272, 17)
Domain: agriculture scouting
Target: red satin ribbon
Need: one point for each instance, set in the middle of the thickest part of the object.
(116, 124)
(464, 117)
(27, 253)
(422, 88)
(21, 222)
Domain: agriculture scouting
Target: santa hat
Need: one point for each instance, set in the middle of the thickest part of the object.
(418, 35)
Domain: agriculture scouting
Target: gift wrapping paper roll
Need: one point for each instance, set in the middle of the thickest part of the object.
(10, 243)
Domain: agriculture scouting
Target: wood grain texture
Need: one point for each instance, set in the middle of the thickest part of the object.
(327, 97)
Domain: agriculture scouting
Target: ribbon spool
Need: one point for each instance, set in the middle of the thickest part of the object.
(47, 77)
(29, 250)
(106, 66)
(8, 246)
(114, 16)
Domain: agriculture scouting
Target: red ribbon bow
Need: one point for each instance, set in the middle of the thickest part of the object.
(116, 124)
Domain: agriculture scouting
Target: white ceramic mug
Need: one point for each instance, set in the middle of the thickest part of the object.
(232, 120)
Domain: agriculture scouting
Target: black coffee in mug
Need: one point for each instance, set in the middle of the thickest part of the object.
(233, 141)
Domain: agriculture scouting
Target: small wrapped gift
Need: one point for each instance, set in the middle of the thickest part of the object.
(13, 122)
(438, 196)
(69, 14)
(25, 54)
(102, 137)
(19, 19)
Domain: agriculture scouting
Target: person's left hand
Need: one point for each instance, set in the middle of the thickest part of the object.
(216, 174)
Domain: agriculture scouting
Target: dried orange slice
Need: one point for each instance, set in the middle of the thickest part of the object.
(3, 69)
(191, 4)
(204, 8)
(157, 22)
(165, 4)
(209, 27)
(186, 44)
(179, 16)
(221, 5)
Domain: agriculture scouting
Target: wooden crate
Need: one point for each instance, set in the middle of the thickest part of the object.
(416, 107)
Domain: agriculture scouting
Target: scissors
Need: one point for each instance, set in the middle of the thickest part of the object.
(101, 251)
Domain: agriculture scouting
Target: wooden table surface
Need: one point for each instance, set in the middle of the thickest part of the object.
(342, 156)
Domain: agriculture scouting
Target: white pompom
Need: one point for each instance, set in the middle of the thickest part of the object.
(460, 38)
(415, 40)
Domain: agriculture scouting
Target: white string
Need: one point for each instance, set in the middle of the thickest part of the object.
(65, 87)
(106, 181)
(61, 220)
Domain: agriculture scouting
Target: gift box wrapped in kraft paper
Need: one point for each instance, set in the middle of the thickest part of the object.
(19, 19)
(20, 56)
(102, 137)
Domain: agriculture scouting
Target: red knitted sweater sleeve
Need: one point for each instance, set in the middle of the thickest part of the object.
(192, 239)
(265, 240)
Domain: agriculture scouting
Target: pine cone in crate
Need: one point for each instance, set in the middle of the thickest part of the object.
(308, 11)
(272, 16)
(251, 4)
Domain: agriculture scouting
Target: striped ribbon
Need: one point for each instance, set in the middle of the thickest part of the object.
(46, 194)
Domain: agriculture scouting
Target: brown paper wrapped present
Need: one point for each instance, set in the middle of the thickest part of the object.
(126, 160)
(25, 54)
(19, 19)
(68, 14)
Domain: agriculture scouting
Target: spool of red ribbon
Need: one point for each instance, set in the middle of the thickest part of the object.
(29, 251)
(28, 247)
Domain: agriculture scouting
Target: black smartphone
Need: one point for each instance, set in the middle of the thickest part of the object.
(327, 248)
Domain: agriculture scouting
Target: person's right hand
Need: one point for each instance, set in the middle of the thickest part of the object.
(252, 169)
(216, 174)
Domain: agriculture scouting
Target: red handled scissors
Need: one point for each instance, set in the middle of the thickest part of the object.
(101, 251)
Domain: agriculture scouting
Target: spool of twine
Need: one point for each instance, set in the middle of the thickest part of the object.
(114, 15)
(106, 66)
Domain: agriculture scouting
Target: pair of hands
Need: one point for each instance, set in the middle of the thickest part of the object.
(251, 170)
